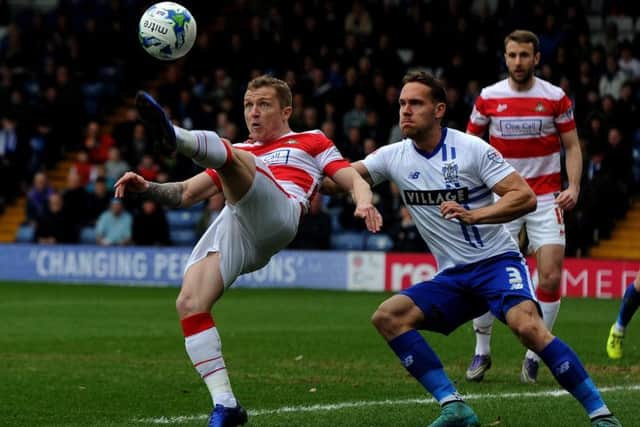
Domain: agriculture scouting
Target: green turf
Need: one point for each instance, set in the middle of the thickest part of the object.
(108, 356)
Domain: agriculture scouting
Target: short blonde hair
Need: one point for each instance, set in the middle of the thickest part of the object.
(283, 91)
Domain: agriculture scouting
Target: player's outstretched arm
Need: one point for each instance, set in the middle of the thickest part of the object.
(172, 194)
(350, 179)
(516, 199)
(329, 186)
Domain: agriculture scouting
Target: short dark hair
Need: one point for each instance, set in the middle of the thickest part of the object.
(283, 91)
(523, 36)
(438, 92)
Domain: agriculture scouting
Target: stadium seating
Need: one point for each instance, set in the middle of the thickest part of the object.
(182, 219)
(88, 235)
(348, 240)
(378, 242)
(183, 237)
(334, 214)
(25, 233)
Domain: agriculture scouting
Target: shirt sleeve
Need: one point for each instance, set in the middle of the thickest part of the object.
(564, 119)
(478, 120)
(377, 164)
(492, 167)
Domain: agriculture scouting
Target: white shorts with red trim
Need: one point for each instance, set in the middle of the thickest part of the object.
(248, 233)
(544, 226)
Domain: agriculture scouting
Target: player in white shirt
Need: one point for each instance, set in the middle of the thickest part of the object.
(446, 179)
(528, 119)
(267, 183)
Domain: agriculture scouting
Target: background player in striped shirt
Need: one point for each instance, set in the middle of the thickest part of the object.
(528, 118)
(446, 179)
(267, 183)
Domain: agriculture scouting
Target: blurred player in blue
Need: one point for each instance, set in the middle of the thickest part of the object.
(446, 179)
(630, 304)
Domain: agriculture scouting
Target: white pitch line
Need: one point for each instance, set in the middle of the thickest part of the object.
(365, 403)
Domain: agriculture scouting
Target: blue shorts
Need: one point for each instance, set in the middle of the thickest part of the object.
(456, 295)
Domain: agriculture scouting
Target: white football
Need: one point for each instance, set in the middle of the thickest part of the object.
(167, 30)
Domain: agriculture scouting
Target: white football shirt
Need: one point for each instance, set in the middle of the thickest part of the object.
(462, 168)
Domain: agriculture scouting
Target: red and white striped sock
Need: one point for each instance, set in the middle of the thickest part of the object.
(205, 351)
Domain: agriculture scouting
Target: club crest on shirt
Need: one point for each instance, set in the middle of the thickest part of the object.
(450, 173)
(539, 107)
(495, 156)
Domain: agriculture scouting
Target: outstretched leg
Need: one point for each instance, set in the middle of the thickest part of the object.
(395, 320)
(525, 322)
(630, 304)
(201, 288)
(236, 168)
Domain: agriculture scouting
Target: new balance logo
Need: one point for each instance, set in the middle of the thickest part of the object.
(407, 361)
(501, 108)
(564, 367)
(414, 175)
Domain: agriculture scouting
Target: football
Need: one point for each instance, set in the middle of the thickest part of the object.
(167, 30)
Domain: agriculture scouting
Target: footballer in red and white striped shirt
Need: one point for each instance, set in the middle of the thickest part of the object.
(528, 119)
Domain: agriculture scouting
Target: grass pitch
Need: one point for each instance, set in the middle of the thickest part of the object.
(110, 356)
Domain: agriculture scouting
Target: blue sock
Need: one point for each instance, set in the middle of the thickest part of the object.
(630, 303)
(423, 363)
(570, 374)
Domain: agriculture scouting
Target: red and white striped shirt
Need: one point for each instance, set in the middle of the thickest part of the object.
(298, 161)
(525, 127)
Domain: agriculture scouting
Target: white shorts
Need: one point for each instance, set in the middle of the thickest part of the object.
(544, 226)
(248, 233)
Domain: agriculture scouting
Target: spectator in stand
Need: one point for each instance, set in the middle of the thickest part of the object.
(358, 21)
(138, 146)
(626, 110)
(150, 227)
(314, 231)
(628, 63)
(353, 149)
(76, 202)
(114, 167)
(147, 168)
(83, 167)
(38, 197)
(38, 145)
(99, 199)
(97, 143)
(405, 234)
(357, 115)
(123, 131)
(54, 226)
(8, 157)
(612, 80)
(617, 166)
(114, 225)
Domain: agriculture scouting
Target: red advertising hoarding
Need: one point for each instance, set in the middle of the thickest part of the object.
(581, 277)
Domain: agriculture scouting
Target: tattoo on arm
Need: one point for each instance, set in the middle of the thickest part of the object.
(168, 194)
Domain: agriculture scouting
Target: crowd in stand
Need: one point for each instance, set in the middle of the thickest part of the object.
(62, 72)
